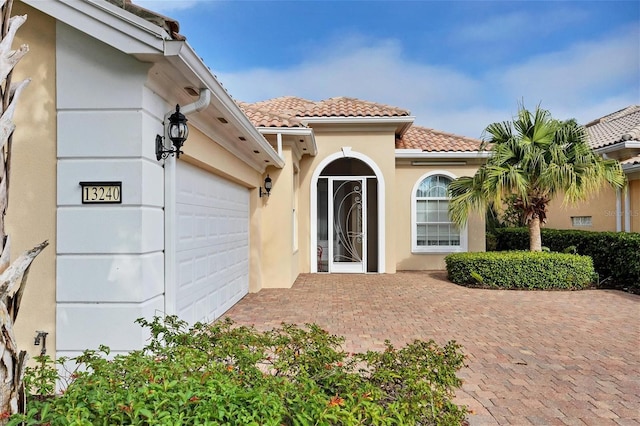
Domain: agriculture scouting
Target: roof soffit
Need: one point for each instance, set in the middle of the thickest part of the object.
(301, 139)
(170, 78)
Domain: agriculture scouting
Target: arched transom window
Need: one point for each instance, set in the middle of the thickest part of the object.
(433, 230)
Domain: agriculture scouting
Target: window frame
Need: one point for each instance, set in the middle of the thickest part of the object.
(415, 248)
(581, 221)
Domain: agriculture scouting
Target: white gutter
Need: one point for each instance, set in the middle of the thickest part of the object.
(358, 120)
(628, 169)
(419, 154)
(294, 131)
(404, 122)
(228, 107)
(617, 146)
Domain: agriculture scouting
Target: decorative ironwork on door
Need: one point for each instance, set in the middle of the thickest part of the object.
(348, 223)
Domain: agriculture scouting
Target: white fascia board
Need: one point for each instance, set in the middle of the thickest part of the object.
(401, 123)
(297, 131)
(294, 131)
(419, 154)
(630, 168)
(106, 22)
(618, 146)
(228, 106)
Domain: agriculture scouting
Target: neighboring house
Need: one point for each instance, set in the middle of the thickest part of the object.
(615, 136)
(356, 186)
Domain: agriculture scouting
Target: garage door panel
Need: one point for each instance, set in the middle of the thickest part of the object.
(207, 227)
(213, 247)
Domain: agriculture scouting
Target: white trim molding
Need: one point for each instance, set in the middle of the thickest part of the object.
(415, 249)
(401, 123)
(417, 154)
(313, 191)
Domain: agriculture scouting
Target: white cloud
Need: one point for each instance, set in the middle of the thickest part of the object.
(375, 72)
(492, 29)
(520, 25)
(584, 81)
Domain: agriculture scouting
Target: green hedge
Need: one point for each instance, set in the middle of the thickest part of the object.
(521, 270)
(616, 255)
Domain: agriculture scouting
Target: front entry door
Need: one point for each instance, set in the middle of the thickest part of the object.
(347, 216)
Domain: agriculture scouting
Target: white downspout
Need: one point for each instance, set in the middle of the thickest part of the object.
(618, 211)
(627, 211)
(170, 247)
(279, 136)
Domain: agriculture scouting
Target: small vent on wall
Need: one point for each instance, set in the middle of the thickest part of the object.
(438, 163)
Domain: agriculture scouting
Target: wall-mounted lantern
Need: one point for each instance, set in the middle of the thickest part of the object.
(267, 187)
(177, 132)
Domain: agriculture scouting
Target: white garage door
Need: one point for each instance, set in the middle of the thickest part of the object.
(212, 236)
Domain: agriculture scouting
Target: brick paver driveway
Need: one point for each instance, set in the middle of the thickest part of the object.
(543, 358)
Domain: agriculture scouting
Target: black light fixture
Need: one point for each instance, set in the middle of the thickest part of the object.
(178, 132)
(267, 187)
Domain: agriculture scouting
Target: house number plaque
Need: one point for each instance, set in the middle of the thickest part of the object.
(101, 192)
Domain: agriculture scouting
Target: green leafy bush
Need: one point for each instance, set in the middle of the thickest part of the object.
(521, 270)
(224, 374)
(616, 255)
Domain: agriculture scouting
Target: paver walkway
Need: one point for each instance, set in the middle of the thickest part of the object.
(542, 358)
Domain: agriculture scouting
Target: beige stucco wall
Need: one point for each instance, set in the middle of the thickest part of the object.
(207, 154)
(601, 207)
(31, 215)
(406, 177)
(280, 262)
(379, 146)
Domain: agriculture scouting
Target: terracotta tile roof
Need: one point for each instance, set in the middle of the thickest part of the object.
(430, 140)
(288, 111)
(279, 112)
(351, 107)
(620, 126)
(631, 161)
(170, 25)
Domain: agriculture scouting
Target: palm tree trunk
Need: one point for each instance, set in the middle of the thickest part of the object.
(13, 276)
(535, 239)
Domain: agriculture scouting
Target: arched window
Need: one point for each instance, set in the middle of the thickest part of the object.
(432, 229)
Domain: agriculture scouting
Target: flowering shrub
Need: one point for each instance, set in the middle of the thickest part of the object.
(223, 374)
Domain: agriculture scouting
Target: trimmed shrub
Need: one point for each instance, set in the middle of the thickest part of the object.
(616, 255)
(222, 374)
(521, 270)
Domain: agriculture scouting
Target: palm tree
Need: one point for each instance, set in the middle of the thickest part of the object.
(13, 276)
(534, 159)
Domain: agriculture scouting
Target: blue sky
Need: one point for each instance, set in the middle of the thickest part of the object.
(456, 65)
